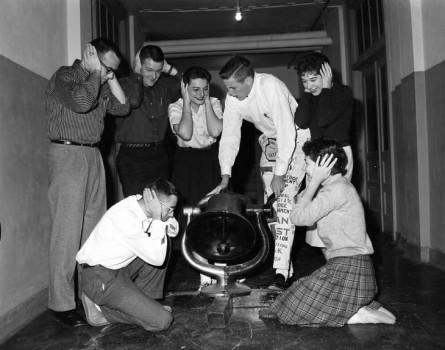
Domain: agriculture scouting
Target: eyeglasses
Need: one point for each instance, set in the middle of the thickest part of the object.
(170, 209)
(108, 70)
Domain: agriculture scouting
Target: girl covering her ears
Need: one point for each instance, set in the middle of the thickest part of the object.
(196, 120)
(326, 108)
(343, 290)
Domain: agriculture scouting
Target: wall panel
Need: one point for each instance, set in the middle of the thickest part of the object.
(24, 212)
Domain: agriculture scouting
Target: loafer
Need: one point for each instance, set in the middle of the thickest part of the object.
(69, 318)
(168, 308)
(280, 283)
(93, 314)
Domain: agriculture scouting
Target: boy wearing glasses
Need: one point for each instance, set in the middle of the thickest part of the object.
(124, 261)
(77, 99)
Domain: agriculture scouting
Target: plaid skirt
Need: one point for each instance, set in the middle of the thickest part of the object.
(330, 296)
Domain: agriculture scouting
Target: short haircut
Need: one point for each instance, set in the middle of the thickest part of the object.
(321, 146)
(196, 72)
(153, 52)
(164, 187)
(103, 45)
(311, 63)
(238, 68)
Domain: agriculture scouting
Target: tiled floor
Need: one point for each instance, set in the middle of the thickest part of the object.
(414, 292)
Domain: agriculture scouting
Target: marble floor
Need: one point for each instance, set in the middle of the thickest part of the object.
(413, 291)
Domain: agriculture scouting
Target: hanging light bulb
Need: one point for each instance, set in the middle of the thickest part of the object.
(238, 15)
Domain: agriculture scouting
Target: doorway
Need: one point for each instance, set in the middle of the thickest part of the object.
(377, 155)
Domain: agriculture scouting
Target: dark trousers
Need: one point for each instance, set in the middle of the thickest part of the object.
(127, 295)
(137, 166)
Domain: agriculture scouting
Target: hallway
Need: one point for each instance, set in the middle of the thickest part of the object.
(413, 291)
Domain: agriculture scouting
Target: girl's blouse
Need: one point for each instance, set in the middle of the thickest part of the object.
(200, 137)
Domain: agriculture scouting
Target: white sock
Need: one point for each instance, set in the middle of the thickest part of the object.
(368, 315)
(387, 312)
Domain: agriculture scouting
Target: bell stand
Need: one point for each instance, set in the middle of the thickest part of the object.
(226, 287)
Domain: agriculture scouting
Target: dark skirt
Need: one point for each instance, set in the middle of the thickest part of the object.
(330, 296)
(196, 172)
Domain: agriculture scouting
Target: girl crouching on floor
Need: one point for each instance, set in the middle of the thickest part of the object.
(343, 290)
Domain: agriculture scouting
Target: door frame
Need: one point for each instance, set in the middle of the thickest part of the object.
(360, 179)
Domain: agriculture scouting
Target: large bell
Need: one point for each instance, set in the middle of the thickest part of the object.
(222, 233)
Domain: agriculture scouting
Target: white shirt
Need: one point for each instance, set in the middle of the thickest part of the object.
(123, 234)
(270, 107)
(200, 137)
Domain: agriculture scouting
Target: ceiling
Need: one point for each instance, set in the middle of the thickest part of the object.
(189, 19)
(159, 20)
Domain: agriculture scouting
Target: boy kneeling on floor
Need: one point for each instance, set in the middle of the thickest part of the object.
(123, 262)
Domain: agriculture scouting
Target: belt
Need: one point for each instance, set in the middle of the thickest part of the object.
(138, 145)
(86, 266)
(213, 145)
(72, 143)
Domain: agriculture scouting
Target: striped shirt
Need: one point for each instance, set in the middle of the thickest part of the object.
(76, 107)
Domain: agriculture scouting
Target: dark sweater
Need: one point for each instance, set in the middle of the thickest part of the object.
(328, 114)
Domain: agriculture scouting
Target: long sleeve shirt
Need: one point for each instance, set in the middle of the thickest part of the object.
(76, 107)
(148, 120)
(328, 114)
(270, 107)
(200, 136)
(338, 212)
(123, 234)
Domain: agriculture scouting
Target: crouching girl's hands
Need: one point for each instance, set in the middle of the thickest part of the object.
(322, 169)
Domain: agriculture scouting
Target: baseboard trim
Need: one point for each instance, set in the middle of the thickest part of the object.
(437, 258)
(422, 254)
(23, 314)
(410, 249)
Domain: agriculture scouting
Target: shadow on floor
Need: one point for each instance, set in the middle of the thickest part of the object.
(414, 292)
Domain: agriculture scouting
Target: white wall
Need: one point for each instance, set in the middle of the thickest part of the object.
(35, 42)
(416, 63)
(416, 36)
(33, 34)
(433, 15)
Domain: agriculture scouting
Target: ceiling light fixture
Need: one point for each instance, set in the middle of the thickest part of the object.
(238, 14)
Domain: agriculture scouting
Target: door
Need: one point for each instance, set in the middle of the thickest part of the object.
(377, 146)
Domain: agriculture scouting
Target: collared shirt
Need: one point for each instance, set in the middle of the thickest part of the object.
(200, 137)
(76, 107)
(338, 211)
(270, 107)
(148, 121)
(123, 234)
